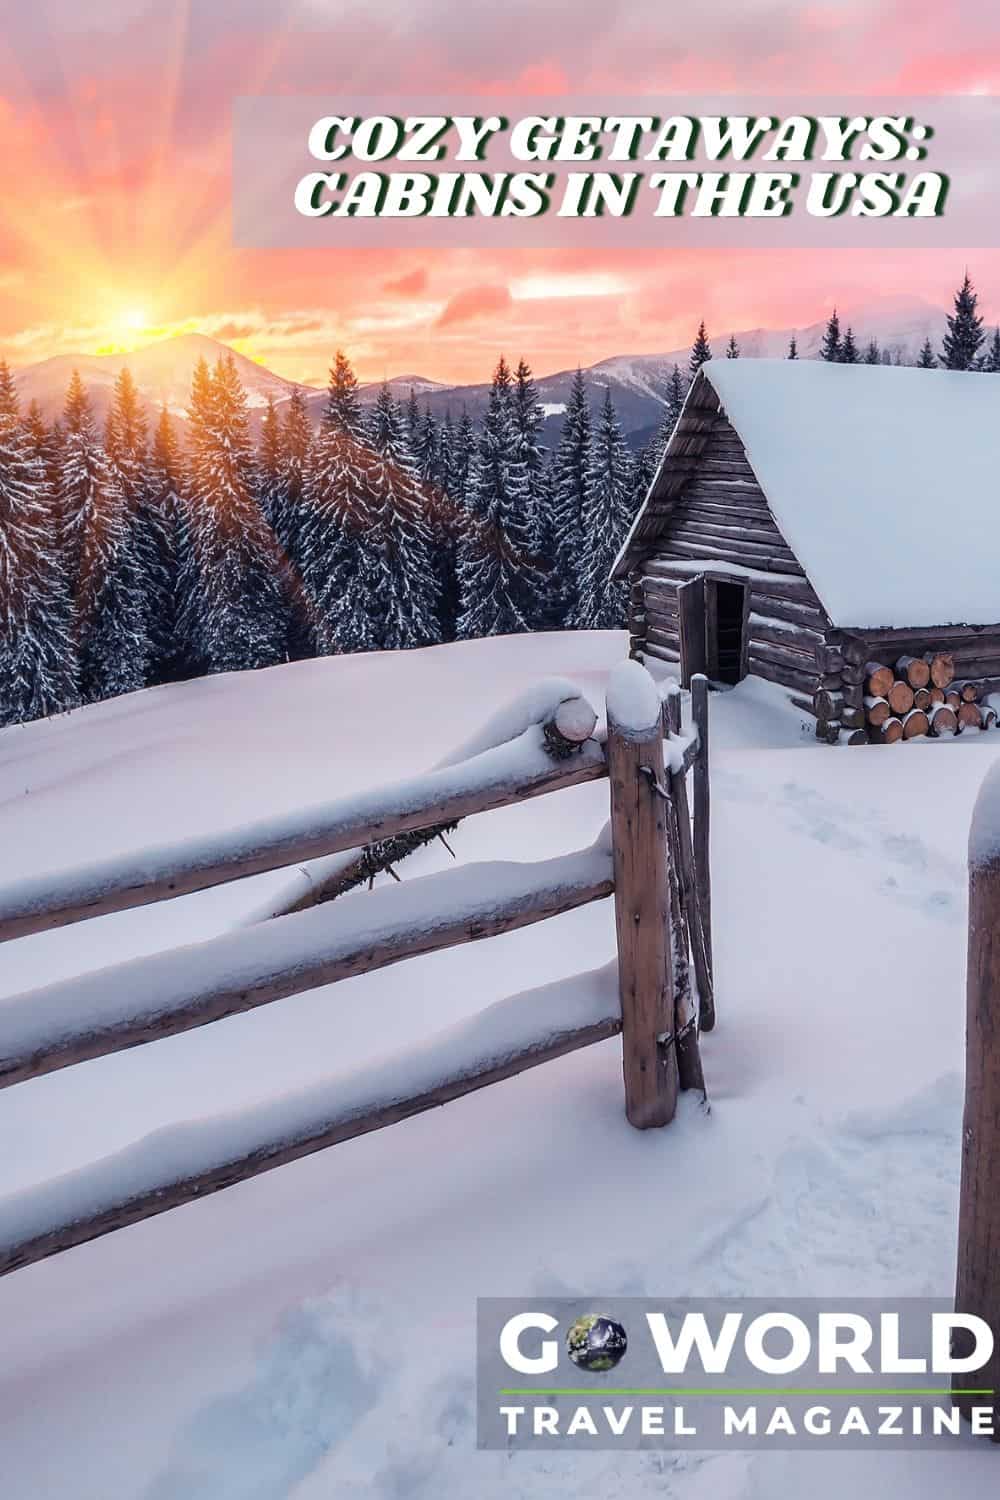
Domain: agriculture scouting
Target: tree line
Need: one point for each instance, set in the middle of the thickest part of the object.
(130, 558)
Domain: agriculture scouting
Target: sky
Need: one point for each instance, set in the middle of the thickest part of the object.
(115, 174)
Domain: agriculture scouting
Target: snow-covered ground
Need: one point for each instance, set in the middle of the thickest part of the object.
(310, 1333)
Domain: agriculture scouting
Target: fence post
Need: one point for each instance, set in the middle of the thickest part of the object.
(642, 896)
(702, 839)
(978, 1282)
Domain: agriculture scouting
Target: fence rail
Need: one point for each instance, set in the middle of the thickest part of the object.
(505, 774)
(644, 859)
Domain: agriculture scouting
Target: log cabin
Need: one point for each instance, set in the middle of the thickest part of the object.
(808, 519)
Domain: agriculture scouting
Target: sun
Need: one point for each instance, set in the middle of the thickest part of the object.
(132, 319)
(127, 328)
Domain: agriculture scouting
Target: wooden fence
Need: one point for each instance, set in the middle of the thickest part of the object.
(978, 1281)
(656, 867)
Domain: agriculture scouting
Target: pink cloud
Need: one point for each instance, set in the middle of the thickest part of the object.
(475, 302)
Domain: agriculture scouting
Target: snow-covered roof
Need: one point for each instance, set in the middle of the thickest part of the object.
(884, 481)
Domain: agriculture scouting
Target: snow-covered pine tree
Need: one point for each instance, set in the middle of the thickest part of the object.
(236, 612)
(412, 418)
(396, 598)
(848, 348)
(701, 351)
(343, 405)
(290, 522)
(793, 348)
(643, 473)
(732, 348)
(106, 578)
(427, 449)
(873, 355)
(38, 666)
(448, 526)
(606, 518)
(46, 446)
(168, 559)
(964, 339)
(462, 448)
(570, 468)
(529, 422)
(151, 508)
(672, 409)
(830, 348)
(271, 467)
(991, 359)
(926, 360)
(497, 571)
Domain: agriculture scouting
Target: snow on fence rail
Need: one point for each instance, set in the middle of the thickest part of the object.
(507, 772)
(646, 858)
(146, 999)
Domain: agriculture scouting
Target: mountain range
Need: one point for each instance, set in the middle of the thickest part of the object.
(163, 370)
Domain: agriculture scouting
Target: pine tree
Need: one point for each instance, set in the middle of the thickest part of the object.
(152, 522)
(496, 564)
(873, 354)
(732, 348)
(701, 351)
(395, 605)
(607, 514)
(343, 405)
(965, 336)
(793, 348)
(236, 615)
(109, 609)
(427, 449)
(168, 557)
(926, 361)
(830, 348)
(38, 667)
(643, 473)
(570, 469)
(271, 467)
(671, 412)
(849, 349)
(991, 359)
(456, 452)
(529, 423)
(412, 418)
(460, 461)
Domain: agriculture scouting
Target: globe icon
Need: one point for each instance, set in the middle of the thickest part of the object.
(596, 1343)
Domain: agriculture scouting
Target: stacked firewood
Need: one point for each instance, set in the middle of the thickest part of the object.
(920, 695)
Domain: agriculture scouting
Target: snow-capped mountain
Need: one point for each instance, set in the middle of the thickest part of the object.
(163, 371)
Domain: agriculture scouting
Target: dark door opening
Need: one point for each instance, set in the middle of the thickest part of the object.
(728, 632)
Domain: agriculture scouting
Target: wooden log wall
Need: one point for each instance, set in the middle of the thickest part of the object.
(722, 524)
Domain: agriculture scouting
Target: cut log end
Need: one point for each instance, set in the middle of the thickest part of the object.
(575, 720)
(877, 710)
(969, 716)
(943, 721)
(878, 679)
(914, 670)
(914, 724)
(900, 697)
(887, 733)
(942, 668)
(922, 698)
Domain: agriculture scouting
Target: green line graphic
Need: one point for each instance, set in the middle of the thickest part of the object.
(717, 1391)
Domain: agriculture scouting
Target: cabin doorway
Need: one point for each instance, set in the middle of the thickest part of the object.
(728, 663)
(712, 616)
